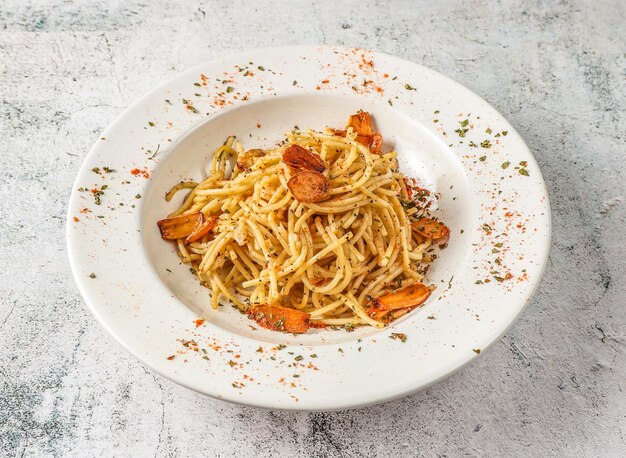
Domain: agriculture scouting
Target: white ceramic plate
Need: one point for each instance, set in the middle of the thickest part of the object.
(492, 197)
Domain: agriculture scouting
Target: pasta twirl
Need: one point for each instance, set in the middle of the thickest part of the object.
(323, 230)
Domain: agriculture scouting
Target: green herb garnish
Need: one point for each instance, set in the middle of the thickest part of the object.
(398, 336)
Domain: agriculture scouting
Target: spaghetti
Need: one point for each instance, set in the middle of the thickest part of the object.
(323, 230)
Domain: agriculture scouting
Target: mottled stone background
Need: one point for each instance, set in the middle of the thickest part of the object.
(554, 385)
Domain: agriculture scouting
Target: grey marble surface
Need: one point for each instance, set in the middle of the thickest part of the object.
(553, 386)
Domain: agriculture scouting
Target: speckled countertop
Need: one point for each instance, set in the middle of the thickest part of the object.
(553, 386)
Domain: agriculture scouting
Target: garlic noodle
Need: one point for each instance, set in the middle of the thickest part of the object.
(356, 234)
